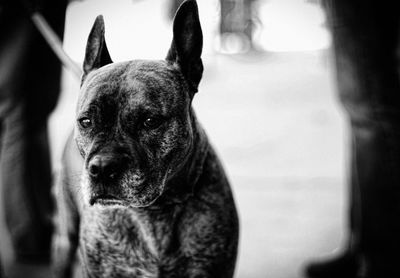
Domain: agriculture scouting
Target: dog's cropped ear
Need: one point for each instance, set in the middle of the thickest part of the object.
(187, 43)
(96, 49)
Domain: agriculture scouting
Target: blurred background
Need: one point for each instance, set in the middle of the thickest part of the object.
(267, 101)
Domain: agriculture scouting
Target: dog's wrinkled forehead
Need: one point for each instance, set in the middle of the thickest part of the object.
(147, 82)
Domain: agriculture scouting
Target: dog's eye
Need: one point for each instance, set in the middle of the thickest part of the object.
(85, 122)
(152, 122)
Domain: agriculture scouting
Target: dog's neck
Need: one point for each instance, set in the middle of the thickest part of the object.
(181, 186)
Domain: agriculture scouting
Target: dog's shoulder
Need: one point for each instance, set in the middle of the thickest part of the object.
(210, 216)
(70, 173)
(212, 186)
(65, 187)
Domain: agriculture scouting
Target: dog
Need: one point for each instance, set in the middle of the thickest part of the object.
(142, 193)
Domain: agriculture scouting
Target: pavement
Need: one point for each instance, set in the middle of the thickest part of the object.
(276, 123)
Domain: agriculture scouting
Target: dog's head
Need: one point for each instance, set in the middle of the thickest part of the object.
(134, 125)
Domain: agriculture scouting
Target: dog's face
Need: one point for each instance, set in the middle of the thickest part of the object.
(134, 121)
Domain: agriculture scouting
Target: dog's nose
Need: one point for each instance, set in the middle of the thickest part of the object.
(105, 167)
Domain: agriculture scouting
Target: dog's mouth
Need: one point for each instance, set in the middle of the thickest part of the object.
(105, 200)
(128, 192)
(108, 199)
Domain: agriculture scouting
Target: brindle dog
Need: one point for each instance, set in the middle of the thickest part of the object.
(142, 193)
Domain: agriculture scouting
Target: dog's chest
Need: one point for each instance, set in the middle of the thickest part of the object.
(118, 243)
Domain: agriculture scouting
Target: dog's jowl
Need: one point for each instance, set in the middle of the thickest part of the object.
(142, 193)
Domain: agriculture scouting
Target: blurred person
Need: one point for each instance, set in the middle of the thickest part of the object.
(236, 25)
(237, 20)
(29, 88)
(366, 43)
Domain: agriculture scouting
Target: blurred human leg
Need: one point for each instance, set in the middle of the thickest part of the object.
(365, 35)
(26, 178)
(29, 90)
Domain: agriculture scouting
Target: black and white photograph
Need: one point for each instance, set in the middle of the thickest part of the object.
(199, 139)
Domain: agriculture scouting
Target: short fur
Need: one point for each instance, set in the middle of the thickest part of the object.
(142, 193)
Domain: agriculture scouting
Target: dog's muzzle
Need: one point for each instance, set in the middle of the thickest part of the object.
(104, 171)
